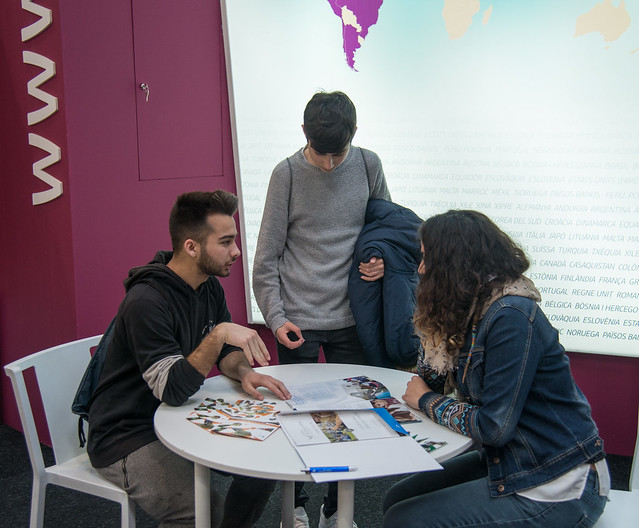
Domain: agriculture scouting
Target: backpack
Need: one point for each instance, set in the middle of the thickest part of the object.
(84, 395)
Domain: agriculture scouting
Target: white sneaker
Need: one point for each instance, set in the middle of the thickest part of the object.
(329, 522)
(300, 518)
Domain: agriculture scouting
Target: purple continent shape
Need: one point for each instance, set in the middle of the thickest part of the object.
(366, 13)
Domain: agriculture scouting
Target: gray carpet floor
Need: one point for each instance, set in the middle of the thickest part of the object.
(69, 509)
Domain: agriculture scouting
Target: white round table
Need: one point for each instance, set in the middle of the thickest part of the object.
(275, 458)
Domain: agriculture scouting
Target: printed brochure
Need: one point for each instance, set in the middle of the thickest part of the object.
(251, 419)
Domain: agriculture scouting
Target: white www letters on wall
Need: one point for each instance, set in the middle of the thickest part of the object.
(50, 104)
(38, 169)
(39, 25)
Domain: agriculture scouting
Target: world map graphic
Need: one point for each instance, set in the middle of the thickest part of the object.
(358, 16)
(524, 110)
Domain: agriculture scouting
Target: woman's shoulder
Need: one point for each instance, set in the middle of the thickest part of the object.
(517, 300)
(512, 304)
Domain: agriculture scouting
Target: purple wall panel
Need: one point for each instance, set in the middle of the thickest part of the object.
(37, 307)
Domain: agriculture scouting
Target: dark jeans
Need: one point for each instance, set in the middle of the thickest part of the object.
(162, 484)
(339, 346)
(459, 496)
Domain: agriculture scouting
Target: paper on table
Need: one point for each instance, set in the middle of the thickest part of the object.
(397, 409)
(373, 458)
(251, 419)
(327, 395)
(327, 427)
(383, 452)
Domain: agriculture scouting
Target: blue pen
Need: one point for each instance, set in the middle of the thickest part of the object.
(328, 469)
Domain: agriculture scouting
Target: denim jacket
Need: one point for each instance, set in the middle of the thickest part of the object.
(519, 400)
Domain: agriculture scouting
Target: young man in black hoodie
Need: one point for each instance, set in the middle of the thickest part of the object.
(172, 327)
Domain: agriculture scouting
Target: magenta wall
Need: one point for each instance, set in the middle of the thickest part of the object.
(118, 220)
(37, 289)
(63, 262)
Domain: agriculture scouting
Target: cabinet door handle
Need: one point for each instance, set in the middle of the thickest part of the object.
(146, 89)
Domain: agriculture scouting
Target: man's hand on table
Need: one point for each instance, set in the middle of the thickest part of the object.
(251, 380)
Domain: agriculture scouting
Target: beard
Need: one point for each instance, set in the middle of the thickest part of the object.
(209, 267)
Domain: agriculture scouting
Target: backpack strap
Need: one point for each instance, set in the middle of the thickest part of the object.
(290, 183)
(368, 177)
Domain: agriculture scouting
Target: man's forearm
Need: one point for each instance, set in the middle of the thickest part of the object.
(204, 357)
(235, 365)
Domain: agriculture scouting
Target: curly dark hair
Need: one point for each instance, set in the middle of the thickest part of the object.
(465, 257)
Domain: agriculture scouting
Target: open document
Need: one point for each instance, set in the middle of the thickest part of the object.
(358, 392)
(327, 395)
(359, 440)
(367, 459)
(353, 423)
(330, 427)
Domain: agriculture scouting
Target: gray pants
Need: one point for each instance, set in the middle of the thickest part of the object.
(162, 484)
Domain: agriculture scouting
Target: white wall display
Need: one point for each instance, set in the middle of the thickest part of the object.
(526, 111)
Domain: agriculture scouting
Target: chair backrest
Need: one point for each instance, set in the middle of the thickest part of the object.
(58, 372)
(634, 469)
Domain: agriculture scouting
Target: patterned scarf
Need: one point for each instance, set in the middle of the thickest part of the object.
(433, 355)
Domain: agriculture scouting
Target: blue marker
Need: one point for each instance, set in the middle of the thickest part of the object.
(328, 469)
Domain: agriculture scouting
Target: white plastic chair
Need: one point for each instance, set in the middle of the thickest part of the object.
(623, 509)
(58, 371)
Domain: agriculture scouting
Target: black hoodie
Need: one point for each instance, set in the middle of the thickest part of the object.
(159, 323)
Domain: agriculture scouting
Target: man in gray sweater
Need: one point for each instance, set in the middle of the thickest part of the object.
(314, 212)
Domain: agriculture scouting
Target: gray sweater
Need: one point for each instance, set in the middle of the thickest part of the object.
(310, 223)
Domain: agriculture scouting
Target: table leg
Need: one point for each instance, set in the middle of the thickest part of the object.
(345, 503)
(288, 503)
(202, 496)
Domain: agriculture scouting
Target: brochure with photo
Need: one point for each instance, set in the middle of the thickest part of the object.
(398, 410)
(343, 394)
(347, 422)
(331, 427)
(251, 419)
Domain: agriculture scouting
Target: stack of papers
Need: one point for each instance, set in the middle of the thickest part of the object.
(251, 419)
(349, 423)
(349, 393)
(345, 410)
(330, 427)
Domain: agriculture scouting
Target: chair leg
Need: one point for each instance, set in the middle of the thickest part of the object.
(128, 514)
(38, 494)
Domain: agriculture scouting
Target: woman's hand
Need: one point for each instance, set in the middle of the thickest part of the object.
(415, 389)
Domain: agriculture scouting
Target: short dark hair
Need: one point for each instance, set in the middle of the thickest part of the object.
(330, 121)
(190, 212)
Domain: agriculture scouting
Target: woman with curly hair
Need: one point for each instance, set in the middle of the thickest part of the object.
(491, 367)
